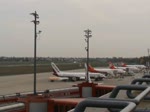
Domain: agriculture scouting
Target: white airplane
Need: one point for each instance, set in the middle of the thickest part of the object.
(107, 71)
(140, 67)
(127, 69)
(74, 76)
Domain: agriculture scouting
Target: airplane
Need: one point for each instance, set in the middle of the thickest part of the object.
(141, 67)
(75, 76)
(130, 70)
(106, 71)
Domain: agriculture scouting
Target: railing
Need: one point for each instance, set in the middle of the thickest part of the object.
(13, 107)
(119, 105)
(64, 106)
(125, 106)
(66, 92)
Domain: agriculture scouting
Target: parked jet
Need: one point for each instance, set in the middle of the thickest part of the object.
(127, 69)
(74, 76)
(107, 71)
(141, 67)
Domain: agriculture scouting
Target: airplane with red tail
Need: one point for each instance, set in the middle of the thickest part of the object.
(127, 69)
(107, 71)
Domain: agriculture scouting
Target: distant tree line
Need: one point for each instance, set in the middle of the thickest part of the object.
(94, 61)
(24, 65)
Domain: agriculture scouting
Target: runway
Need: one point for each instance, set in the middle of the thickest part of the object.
(24, 82)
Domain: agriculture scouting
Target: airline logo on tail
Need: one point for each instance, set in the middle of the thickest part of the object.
(91, 69)
(111, 66)
(55, 69)
(123, 64)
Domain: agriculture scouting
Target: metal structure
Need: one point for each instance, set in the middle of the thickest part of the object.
(36, 22)
(113, 104)
(12, 106)
(121, 105)
(148, 63)
(87, 35)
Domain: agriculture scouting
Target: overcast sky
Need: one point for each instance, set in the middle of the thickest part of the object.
(120, 28)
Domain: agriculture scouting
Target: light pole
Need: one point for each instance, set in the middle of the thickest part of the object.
(148, 63)
(87, 35)
(36, 16)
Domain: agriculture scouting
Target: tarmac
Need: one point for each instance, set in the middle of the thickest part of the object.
(24, 82)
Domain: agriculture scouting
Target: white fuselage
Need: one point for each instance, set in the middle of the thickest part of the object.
(137, 66)
(110, 71)
(131, 68)
(79, 74)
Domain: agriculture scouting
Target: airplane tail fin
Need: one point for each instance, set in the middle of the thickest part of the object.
(55, 69)
(91, 69)
(111, 66)
(123, 64)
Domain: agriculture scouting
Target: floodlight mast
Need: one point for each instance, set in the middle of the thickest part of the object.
(148, 63)
(87, 35)
(36, 16)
